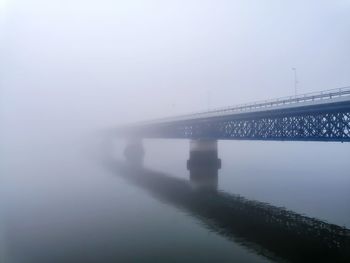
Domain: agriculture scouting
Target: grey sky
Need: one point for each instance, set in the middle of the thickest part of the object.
(105, 62)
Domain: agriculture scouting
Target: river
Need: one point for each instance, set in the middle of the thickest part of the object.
(78, 200)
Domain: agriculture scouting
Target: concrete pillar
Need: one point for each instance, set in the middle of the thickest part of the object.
(204, 164)
(134, 152)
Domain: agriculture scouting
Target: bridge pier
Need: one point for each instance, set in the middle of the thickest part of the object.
(134, 152)
(204, 164)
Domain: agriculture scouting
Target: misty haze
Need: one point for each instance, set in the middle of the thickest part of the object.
(174, 131)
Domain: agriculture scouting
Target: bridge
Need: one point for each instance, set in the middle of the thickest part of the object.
(319, 116)
(322, 116)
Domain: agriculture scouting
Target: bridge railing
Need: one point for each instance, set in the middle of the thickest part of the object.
(289, 100)
(307, 97)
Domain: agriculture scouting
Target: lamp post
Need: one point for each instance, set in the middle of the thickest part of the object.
(208, 99)
(295, 81)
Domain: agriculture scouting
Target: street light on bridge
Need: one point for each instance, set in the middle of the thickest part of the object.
(295, 81)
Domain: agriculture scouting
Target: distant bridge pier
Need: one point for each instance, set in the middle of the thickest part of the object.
(204, 164)
(134, 152)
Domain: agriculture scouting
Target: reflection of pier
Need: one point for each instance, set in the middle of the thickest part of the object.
(204, 164)
(270, 231)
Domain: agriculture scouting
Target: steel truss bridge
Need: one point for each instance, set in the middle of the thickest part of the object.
(321, 116)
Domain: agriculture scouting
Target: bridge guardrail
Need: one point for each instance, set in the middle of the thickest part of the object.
(312, 96)
(289, 100)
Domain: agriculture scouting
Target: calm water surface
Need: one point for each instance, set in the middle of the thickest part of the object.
(79, 201)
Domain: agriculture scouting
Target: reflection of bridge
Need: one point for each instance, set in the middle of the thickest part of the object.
(323, 116)
(271, 231)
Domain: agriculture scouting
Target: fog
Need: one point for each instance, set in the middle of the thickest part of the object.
(98, 63)
(71, 69)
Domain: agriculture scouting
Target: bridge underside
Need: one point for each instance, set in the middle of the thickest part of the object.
(313, 123)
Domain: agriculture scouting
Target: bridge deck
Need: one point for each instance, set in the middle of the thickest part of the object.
(322, 116)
